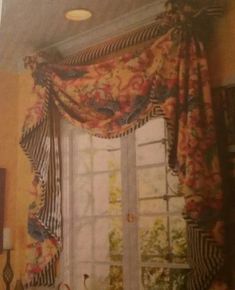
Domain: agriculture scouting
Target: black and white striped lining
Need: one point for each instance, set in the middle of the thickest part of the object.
(46, 277)
(205, 257)
(41, 145)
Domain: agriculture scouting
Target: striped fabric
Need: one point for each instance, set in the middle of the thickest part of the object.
(204, 256)
(46, 277)
(41, 142)
(41, 145)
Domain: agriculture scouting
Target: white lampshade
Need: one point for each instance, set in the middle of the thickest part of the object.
(7, 239)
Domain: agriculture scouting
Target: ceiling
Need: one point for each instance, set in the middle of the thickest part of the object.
(31, 25)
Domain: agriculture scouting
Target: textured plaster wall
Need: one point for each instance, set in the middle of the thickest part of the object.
(8, 148)
(15, 91)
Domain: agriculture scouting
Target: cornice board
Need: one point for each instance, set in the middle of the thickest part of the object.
(119, 26)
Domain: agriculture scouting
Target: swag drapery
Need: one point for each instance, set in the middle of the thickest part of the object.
(111, 99)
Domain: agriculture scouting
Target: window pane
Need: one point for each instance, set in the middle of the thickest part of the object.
(178, 278)
(80, 272)
(101, 143)
(82, 141)
(82, 196)
(101, 193)
(151, 131)
(155, 278)
(106, 160)
(84, 161)
(82, 240)
(108, 239)
(150, 206)
(173, 182)
(106, 154)
(153, 239)
(116, 278)
(151, 181)
(150, 154)
(108, 278)
(176, 204)
(107, 193)
(178, 239)
(115, 193)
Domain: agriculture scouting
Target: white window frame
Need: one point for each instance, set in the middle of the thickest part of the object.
(131, 258)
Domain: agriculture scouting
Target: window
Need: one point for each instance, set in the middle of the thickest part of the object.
(123, 228)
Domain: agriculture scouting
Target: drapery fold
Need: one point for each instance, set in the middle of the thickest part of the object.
(111, 99)
(224, 104)
(41, 145)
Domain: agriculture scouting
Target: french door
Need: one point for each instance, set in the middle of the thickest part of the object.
(123, 228)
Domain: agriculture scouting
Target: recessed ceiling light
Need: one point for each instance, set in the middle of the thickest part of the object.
(78, 14)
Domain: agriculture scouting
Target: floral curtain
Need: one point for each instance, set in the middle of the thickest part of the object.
(113, 98)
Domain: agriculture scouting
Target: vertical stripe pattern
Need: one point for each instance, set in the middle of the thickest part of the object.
(41, 145)
(204, 257)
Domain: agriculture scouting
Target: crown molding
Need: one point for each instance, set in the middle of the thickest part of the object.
(118, 26)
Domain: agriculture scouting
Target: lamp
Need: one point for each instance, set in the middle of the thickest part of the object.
(7, 246)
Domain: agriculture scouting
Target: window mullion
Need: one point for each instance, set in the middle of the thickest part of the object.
(74, 159)
(69, 148)
(130, 213)
(124, 178)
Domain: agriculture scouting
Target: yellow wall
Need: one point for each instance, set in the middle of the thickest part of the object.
(8, 145)
(15, 98)
(15, 91)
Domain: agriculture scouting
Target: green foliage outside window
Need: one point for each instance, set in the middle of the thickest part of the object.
(154, 247)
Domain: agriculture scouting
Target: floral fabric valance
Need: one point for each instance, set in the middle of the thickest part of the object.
(113, 98)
